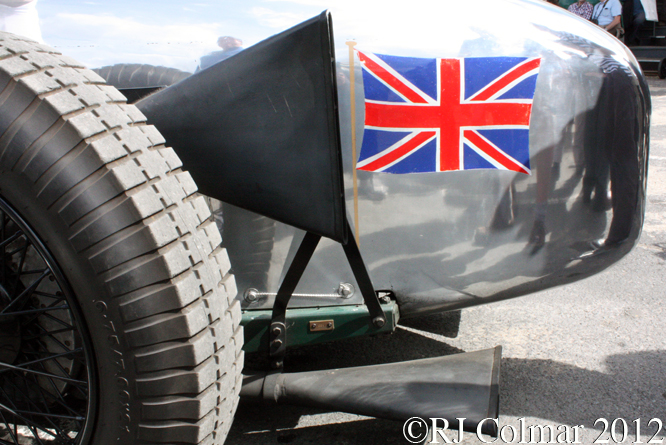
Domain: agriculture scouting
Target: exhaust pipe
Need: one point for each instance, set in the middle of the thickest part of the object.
(461, 386)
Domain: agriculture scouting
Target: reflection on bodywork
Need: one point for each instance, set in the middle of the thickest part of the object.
(447, 240)
(451, 240)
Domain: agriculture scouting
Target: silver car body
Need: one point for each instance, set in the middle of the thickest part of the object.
(438, 241)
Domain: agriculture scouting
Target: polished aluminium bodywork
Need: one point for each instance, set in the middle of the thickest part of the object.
(442, 241)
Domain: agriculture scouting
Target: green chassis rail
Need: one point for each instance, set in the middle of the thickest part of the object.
(310, 326)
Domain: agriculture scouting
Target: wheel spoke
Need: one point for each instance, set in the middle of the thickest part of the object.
(42, 312)
(32, 403)
(24, 254)
(28, 422)
(3, 219)
(53, 384)
(47, 295)
(55, 319)
(53, 397)
(46, 377)
(53, 357)
(48, 333)
(45, 374)
(45, 406)
(31, 272)
(27, 291)
(55, 416)
(11, 239)
(38, 311)
(58, 400)
(9, 429)
(11, 253)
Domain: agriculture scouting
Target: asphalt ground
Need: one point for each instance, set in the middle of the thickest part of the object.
(592, 350)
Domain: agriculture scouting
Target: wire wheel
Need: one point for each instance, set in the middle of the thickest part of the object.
(46, 377)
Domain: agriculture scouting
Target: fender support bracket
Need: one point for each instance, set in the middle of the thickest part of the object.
(278, 327)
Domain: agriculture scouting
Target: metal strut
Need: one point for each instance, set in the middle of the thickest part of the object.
(278, 329)
(278, 344)
(363, 279)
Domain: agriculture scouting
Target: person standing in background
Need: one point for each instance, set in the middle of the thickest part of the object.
(20, 17)
(634, 14)
(230, 46)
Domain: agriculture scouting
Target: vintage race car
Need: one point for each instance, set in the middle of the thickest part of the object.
(362, 165)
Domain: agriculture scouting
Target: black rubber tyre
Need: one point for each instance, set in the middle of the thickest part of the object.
(248, 237)
(143, 282)
(134, 75)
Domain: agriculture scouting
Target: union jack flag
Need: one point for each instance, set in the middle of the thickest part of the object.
(433, 115)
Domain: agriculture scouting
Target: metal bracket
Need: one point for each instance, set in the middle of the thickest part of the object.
(363, 279)
(344, 291)
(278, 329)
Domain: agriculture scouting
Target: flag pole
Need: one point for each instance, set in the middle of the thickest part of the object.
(352, 94)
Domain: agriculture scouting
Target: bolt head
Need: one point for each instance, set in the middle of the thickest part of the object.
(251, 295)
(345, 290)
(275, 344)
(379, 322)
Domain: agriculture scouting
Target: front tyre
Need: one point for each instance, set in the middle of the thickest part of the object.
(117, 317)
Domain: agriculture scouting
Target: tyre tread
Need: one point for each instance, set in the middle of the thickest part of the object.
(136, 217)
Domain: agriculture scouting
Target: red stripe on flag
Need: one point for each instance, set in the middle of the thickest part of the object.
(505, 80)
(451, 115)
(391, 80)
(491, 151)
(398, 152)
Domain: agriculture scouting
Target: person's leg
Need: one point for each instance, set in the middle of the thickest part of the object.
(631, 37)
